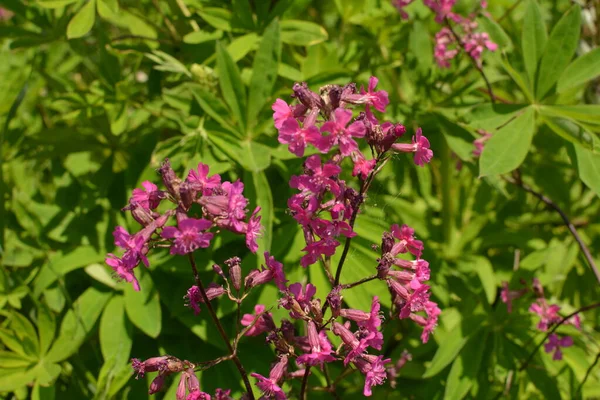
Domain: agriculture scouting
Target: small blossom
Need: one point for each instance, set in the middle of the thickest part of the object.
(281, 112)
(188, 235)
(373, 368)
(291, 133)
(273, 271)
(320, 348)
(419, 146)
(548, 313)
(123, 270)
(406, 241)
(378, 99)
(263, 324)
(340, 135)
(554, 343)
(507, 296)
(200, 180)
(149, 197)
(253, 230)
(362, 166)
(270, 386)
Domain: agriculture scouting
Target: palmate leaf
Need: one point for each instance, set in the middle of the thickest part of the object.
(231, 84)
(581, 70)
(588, 166)
(533, 39)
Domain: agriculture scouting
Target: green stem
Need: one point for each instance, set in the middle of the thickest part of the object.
(447, 206)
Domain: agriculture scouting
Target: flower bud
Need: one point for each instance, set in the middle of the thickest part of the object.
(157, 384)
(170, 180)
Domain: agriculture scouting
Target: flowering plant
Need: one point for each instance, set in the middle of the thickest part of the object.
(326, 207)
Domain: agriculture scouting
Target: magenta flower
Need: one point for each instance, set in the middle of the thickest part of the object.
(123, 270)
(548, 314)
(270, 386)
(441, 8)
(554, 343)
(198, 395)
(378, 99)
(320, 348)
(357, 347)
(188, 235)
(476, 42)
(134, 245)
(362, 166)
(318, 178)
(291, 133)
(340, 134)
(200, 180)
(296, 293)
(373, 368)
(416, 301)
(236, 206)
(194, 298)
(419, 146)
(406, 241)
(253, 230)
(325, 247)
(507, 295)
(282, 111)
(150, 197)
(263, 324)
(273, 271)
(221, 394)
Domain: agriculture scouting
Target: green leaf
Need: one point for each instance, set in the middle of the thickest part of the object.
(218, 18)
(77, 324)
(508, 146)
(13, 360)
(484, 270)
(559, 50)
(465, 368)
(518, 78)
(242, 14)
(569, 130)
(26, 333)
(83, 21)
(421, 46)
(115, 332)
(588, 166)
(302, 33)
(452, 344)
(212, 105)
(54, 3)
(264, 70)
(143, 307)
(588, 113)
(46, 325)
(43, 393)
(583, 69)
(201, 37)
(533, 38)
(232, 87)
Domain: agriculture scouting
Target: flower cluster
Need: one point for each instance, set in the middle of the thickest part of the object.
(548, 314)
(325, 204)
(222, 207)
(449, 41)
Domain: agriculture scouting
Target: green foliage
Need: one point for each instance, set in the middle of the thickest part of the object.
(95, 94)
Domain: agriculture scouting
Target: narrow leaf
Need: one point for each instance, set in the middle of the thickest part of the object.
(83, 21)
(232, 87)
(559, 50)
(302, 33)
(264, 70)
(588, 166)
(581, 70)
(533, 38)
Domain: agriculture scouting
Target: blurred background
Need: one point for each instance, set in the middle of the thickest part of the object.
(95, 94)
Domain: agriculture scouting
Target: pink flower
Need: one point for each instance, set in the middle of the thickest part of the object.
(282, 111)
(315, 250)
(301, 296)
(507, 295)
(433, 312)
(188, 235)
(273, 271)
(476, 42)
(253, 230)
(320, 348)
(357, 347)
(270, 386)
(419, 146)
(194, 298)
(263, 324)
(150, 365)
(200, 180)
(378, 99)
(548, 314)
(340, 134)
(441, 8)
(221, 394)
(373, 368)
(198, 395)
(123, 270)
(297, 138)
(362, 166)
(150, 197)
(318, 178)
(554, 343)
(134, 245)
(406, 241)
(416, 301)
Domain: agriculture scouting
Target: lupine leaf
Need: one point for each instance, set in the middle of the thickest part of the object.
(533, 39)
(232, 87)
(83, 21)
(581, 70)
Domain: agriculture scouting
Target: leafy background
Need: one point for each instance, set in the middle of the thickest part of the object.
(95, 94)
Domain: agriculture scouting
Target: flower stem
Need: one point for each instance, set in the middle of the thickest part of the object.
(304, 383)
(217, 323)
